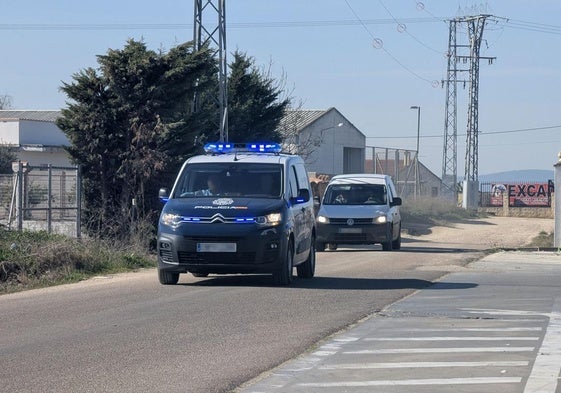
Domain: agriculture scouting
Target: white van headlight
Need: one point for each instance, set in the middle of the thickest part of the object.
(381, 220)
(323, 220)
(269, 219)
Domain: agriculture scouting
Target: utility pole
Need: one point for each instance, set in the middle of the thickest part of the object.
(417, 172)
(450, 151)
(475, 26)
(214, 35)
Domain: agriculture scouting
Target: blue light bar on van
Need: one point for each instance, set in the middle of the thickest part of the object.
(264, 147)
(219, 147)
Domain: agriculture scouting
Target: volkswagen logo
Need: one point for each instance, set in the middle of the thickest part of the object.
(350, 222)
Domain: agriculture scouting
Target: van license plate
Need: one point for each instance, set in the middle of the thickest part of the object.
(216, 247)
(350, 230)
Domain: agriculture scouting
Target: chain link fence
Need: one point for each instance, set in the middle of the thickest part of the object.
(400, 164)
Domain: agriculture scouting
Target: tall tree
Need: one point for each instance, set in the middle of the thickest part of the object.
(130, 124)
(255, 102)
(5, 101)
(7, 154)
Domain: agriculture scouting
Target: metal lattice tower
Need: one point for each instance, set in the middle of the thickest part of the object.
(476, 24)
(450, 156)
(214, 34)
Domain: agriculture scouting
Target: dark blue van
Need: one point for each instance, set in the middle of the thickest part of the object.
(238, 210)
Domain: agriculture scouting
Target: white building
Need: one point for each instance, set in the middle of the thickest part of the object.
(34, 136)
(328, 142)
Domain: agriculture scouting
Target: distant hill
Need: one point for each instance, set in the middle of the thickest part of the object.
(526, 175)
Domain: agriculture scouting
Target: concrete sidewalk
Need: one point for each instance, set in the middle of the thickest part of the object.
(494, 327)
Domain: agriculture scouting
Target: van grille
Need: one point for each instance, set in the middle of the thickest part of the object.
(357, 221)
(216, 258)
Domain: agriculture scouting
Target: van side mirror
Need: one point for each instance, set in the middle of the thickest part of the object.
(303, 196)
(396, 201)
(163, 195)
(317, 201)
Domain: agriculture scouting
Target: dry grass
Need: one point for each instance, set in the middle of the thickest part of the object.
(38, 259)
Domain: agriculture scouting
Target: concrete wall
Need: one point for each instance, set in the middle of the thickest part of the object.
(55, 157)
(508, 211)
(9, 132)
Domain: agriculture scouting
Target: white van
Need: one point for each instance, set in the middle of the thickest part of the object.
(359, 209)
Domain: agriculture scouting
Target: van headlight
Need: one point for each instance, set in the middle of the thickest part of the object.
(170, 219)
(381, 220)
(323, 220)
(269, 219)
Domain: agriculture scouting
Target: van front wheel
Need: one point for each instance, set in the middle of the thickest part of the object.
(308, 268)
(388, 244)
(167, 278)
(283, 276)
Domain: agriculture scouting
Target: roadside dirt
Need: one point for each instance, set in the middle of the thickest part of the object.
(491, 232)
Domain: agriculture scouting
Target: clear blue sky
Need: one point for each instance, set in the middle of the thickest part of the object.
(326, 56)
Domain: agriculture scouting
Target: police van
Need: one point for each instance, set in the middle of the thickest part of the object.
(238, 209)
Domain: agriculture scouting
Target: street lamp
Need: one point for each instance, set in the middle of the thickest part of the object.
(417, 180)
(333, 147)
(321, 139)
(418, 124)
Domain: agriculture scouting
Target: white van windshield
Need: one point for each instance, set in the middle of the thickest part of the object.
(355, 194)
(227, 179)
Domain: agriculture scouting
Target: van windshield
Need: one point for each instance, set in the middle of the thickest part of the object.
(355, 194)
(226, 179)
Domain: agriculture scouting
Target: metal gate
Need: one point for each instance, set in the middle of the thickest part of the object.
(42, 198)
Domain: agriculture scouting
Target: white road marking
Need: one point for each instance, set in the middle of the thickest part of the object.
(463, 338)
(507, 329)
(439, 350)
(389, 365)
(545, 372)
(411, 382)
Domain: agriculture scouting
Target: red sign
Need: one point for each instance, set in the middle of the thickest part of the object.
(522, 194)
(529, 194)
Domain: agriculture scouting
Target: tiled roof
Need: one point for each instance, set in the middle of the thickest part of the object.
(299, 119)
(36, 115)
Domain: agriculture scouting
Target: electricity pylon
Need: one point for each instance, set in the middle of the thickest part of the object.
(214, 34)
(475, 26)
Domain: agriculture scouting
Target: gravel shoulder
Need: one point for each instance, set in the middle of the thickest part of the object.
(489, 232)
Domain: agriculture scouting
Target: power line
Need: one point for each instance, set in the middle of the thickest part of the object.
(402, 28)
(510, 23)
(379, 44)
(176, 26)
(480, 132)
(531, 26)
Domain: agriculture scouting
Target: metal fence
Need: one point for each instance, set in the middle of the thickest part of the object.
(42, 198)
(400, 164)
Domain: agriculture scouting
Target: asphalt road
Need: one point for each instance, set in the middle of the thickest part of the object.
(127, 333)
(494, 326)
